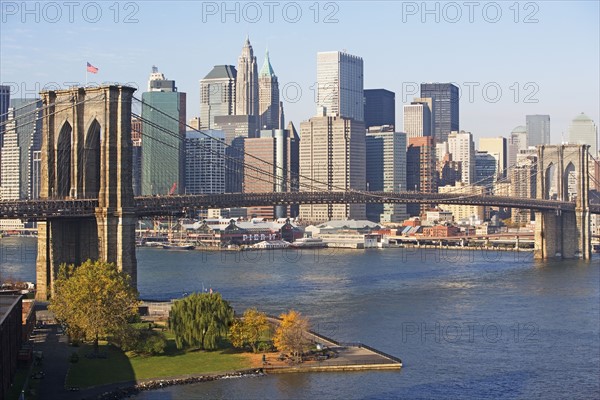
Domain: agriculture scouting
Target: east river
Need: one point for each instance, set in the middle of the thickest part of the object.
(466, 324)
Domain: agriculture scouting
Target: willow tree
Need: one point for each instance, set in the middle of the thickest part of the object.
(200, 320)
(292, 335)
(249, 330)
(94, 299)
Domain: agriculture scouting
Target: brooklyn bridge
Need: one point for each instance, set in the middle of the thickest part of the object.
(87, 208)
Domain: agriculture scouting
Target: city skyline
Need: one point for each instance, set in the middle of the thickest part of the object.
(296, 60)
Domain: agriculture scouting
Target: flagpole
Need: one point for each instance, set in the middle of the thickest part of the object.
(86, 76)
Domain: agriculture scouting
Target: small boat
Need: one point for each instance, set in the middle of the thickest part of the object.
(155, 243)
(178, 246)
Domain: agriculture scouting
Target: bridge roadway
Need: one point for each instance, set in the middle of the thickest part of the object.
(178, 204)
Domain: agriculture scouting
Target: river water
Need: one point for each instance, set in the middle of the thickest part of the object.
(466, 324)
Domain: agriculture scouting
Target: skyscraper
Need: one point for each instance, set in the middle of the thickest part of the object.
(448, 171)
(498, 148)
(380, 108)
(158, 83)
(340, 85)
(136, 155)
(595, 173)
(332, 157)
(516, 143)
(246, 86)
(20, 169)
(445, 111)
(420, 169)
(236, 128)
(205, 162)
(274, 160)
(163, 147)
(462, 148)
(4, 103)
(523, 184)
(386, 172)
(417, 118)
(538, 129)
(486, 168)
(584, 131)
(217, 94)
(270, 109)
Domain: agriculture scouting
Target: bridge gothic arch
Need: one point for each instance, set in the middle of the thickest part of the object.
(91, 161)
(563, 174)
(63, 157)
(86, 154)
(550, 185)
(570, 182)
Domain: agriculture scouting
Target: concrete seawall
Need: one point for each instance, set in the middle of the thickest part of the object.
(347, 357)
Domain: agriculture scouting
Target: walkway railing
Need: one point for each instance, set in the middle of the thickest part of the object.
(179, 204)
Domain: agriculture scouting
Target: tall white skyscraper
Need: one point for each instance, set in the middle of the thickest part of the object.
(340, 89)
(538, 129)
(584, 131)
(332, 157)
(246, 87)
(417, 118)
(462, 148)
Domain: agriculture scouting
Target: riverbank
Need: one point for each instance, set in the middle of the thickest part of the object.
(118, 366)
(116, 374)
(345, 357)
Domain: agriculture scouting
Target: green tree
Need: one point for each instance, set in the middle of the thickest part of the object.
(249, 330)
(200, 320)
(93, 300)
(291, 335)
(142, 341)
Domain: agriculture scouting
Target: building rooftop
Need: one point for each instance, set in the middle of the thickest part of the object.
(7, 302)
(205, 134)
(267, 69)
(520, 129)
(348, 224)
(222, 72)
(221, 224)
(582, 117)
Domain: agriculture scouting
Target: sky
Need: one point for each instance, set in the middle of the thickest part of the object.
(509, 59)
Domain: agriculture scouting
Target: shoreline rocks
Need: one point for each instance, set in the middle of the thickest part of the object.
(126, 392)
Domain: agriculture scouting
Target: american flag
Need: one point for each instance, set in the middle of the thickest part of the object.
(92, 69)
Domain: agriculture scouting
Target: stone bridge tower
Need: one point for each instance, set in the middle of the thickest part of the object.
(86, 153)
(563, 174)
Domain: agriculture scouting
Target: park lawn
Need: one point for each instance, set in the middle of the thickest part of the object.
(123, 367)
(18, 382)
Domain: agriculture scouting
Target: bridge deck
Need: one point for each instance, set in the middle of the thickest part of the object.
(178, 204)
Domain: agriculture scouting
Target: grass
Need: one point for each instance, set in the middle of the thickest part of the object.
(32, 390)
(122, 367)
(18, 382)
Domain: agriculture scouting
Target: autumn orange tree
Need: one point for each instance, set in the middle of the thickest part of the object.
(94, 299)
(291, 335)
(249, 330)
